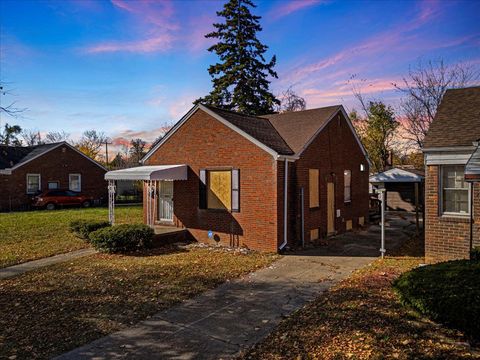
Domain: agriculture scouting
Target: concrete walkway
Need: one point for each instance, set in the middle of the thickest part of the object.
(222, 322)
(15, 270)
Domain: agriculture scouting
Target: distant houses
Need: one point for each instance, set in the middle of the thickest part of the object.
(26, 171)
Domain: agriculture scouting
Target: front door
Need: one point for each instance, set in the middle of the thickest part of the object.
(330, 208)
(165, 201)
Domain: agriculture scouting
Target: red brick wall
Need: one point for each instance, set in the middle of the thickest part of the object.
(334, 150)
(55, 165)
(447, 238)
(203, 142)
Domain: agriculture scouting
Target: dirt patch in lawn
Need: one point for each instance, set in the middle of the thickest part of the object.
(31, 235)
(50, 311)
(362, 318)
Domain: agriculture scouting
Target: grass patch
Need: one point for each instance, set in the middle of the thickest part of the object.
(49, 311)
(447, 292)
(33, 235)
(362, 318)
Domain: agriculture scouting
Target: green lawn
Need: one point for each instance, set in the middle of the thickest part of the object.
(32, 235)
(49, 311)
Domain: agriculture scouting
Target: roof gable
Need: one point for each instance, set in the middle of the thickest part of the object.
(286, 134)
(257, 127)
(457, 121)
(17, 156)
(299, 127)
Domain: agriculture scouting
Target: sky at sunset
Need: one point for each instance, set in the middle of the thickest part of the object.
(129, 68)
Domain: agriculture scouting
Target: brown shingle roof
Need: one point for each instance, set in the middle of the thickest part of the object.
(11, 156)
(298, 127)
(259, 128)
(457, 122)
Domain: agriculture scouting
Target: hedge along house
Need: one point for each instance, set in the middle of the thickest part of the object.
(452, 187)
(27, 170)
(259, 182)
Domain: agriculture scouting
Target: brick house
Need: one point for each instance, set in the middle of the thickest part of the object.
(452, 190)
(28, 170)
(230, 172)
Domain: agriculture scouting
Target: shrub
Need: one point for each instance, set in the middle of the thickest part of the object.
(83, 228)
(446, 292)
(122, 238)
(475, 254)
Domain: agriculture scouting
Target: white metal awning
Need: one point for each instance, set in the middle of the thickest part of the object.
(395, 175)
(472, 169)
(153, 172)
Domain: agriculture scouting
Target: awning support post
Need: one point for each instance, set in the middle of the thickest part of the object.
(151, 195)
(111, 202)
(382, 198)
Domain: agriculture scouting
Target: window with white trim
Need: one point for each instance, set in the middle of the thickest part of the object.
(75, 182)
(33, 183)
(347, 185)
(220, 189)
(455, 191)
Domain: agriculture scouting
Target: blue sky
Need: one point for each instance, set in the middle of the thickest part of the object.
(128, 68)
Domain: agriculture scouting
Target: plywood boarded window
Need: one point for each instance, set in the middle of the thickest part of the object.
(313, 180)
(314, 234)
(349, 225)
(219, 189)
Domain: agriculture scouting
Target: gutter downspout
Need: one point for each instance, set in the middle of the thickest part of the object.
(285, 208)
(472, 188)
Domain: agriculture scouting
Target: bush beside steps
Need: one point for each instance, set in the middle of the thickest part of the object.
(83, 228)
(446, 292)
(122, 238)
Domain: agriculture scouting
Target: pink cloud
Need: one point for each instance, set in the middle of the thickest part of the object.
(153, 20)
(398, 39)
(292, 6)
(161, 42)
(158, 13)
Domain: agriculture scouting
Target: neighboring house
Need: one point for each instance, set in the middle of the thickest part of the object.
(230, 172)
(452, 196)
(28, 170)
(403, 188)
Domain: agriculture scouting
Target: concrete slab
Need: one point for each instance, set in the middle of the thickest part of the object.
(224, 321)
(19, 269)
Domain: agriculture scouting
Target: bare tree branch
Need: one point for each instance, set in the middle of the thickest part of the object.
(423, 90)
(290, 101)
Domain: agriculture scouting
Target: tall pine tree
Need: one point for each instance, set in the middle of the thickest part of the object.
(240, 79)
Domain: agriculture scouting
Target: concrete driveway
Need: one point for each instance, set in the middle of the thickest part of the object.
(224, 321)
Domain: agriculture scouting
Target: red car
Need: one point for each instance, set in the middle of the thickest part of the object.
(52, 199)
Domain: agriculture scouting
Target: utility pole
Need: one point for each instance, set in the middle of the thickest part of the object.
(106, 151)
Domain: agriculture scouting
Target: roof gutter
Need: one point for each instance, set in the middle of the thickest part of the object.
(6, 172)
(285, 208)
(448, 149)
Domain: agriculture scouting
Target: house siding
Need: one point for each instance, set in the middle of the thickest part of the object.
(55, 165)
(203, 142)
(333, 150)
(447, 238)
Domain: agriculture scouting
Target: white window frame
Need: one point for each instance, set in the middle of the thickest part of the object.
(440, 195)
(349, 200)
(79, 182)
(39, 183)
